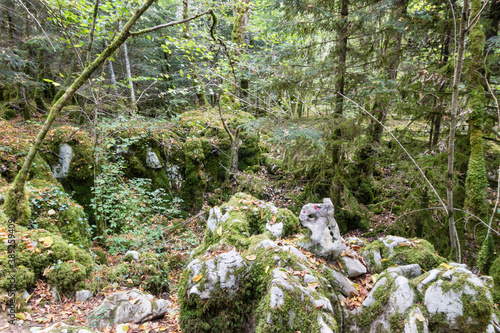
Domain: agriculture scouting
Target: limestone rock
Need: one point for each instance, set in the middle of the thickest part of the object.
(125, 307)
(61, 170)
(83, 295)
(399, 251)
(354, 266)
(324, 238)
(152, 160)
(134, 255)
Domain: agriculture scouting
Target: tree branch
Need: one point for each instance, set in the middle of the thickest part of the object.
(161, 26)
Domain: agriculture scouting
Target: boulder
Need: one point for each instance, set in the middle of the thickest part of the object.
(124, 307)
(324, 237)
(393, 250)
(83, 295)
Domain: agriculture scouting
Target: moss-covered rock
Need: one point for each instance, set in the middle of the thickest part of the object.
(41, 254)
(150, 272)
(392, 250)
(80, 178)
(54, 210)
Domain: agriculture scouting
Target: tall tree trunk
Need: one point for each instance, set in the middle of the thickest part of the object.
(476, 181)
(129, 78)
(196, 80)
(454, 241)
(342, 56)
(9, 22)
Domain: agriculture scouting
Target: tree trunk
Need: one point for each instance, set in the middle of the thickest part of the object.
(342, 53)
(129, 78)
(476, 181)
(454, 241)
(196, 80)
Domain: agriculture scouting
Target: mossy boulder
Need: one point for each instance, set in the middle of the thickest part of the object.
(393, 250)
(243, 280)
(54, 210)
(449, 298)
(80, 177)
(150, 273)
(41, 254)
(243, 216)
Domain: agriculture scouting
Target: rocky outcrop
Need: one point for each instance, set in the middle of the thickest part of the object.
(246, 279)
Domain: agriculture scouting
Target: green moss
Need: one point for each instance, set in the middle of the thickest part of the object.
(9, 114)
(24, 279)
(486, 255)
(40, 251)
(103, 260)
(419, 252)
(149, 273)
(196, 181)
(495, 274)
(80, 178)
(249, 153)
(65, 216)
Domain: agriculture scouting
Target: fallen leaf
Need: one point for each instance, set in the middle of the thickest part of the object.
(267, 269)
(74, 269)
(312, 285)
(284, 275)
(405, 244)
(273, 219)
(219, 231)
(21, 316)
(420, 317)
(319, 306)
(446, 266)
(251, 257)
(46, 241)
(197, 278)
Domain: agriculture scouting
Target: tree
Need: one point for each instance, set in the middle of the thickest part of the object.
(16, 203)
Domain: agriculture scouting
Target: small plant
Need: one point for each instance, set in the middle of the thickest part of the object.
(127, 211)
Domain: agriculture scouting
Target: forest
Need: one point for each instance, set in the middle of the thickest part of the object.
(249, 166)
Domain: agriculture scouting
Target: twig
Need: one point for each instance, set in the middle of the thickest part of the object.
(201, 212)
(41, 28)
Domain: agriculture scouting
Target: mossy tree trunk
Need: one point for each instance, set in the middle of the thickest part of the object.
(476, 181)
(454, 241)
(16, 202)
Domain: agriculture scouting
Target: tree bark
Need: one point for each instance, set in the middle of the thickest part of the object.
(342, 53)
(476, 181)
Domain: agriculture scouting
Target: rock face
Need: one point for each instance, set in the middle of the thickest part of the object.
(246, 279)
(61, 170)
(125, 307)
(152, 160)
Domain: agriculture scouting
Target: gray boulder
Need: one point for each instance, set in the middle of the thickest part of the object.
(124, 307)
(324, 236)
